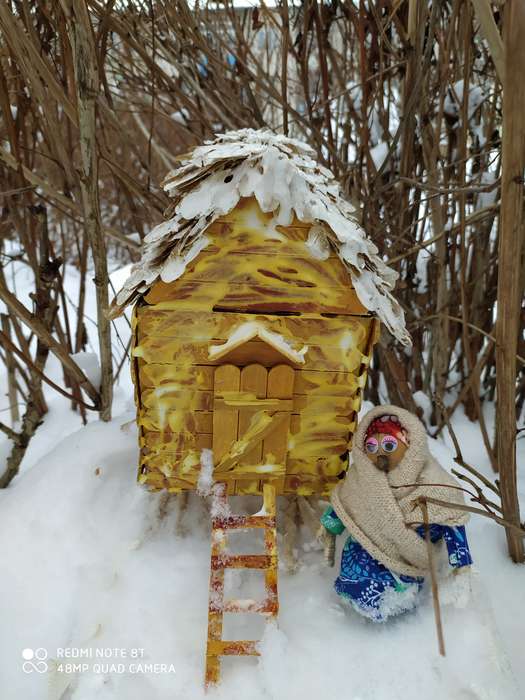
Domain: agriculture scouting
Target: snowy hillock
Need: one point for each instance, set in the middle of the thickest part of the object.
(92, 561)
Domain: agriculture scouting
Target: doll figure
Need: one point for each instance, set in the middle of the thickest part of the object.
(385, 558)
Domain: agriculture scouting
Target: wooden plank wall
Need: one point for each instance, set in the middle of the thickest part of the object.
(250, 268)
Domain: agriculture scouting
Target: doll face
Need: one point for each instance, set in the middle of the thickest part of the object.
(384, 451)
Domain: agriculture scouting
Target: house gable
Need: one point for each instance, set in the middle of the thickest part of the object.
(253, 266)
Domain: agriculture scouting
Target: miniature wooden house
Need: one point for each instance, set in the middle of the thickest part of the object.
(256, 307)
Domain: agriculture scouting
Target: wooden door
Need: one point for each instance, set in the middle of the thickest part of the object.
(251, 422)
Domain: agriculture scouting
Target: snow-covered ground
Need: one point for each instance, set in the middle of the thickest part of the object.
(90, 563)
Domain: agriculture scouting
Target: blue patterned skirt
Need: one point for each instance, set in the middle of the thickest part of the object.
(377, 592)
(371, 589)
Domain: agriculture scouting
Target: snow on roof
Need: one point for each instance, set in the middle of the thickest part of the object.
(283, 176)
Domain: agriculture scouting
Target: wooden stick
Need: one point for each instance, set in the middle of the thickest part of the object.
(87, 87)
(510, 247)
(11, 378)
(492, 36)
(433, 579)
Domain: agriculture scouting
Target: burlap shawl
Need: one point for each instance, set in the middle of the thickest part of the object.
(378, 509)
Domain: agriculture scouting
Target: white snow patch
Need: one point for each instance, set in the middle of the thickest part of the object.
(89, 364)
(86, 563)
(120, 275)
(181, 116)
(394, 602)
(379, 153)
(219, 506)
(486, 199)
(456, 589)
(205, 481)
(454, 99)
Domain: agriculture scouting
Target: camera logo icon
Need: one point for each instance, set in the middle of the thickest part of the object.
(34, 660)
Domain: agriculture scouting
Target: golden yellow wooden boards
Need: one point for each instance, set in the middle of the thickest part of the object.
(258, 351)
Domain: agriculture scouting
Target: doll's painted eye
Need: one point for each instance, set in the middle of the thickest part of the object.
(389, 444)
(371, 445)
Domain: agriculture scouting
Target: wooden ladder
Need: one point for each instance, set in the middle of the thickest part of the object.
(222, 521)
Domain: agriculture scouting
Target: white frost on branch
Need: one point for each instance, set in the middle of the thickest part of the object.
(284, 178)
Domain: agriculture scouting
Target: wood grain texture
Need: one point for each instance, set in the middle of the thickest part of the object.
(206, 325)
(201, 422)
(187, 401)
(491, 34)
(347, 358)
(510, 265)
(201, 376)
(225, 418)
(281, 386)
(264, 296)
(253, 379)
(227, 274)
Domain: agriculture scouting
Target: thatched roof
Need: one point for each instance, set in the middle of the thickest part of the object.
(285, 179)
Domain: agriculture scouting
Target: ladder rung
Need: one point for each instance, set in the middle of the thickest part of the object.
(240, 648)
(243, 561)
(268, 606)
(238, 522)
